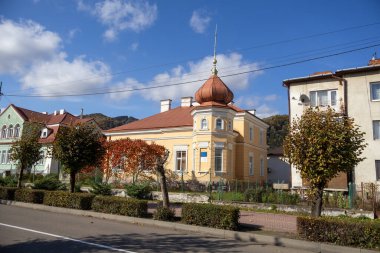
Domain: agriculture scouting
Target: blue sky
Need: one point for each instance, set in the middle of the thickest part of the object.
(61, 47)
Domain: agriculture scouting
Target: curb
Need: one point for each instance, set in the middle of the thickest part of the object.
(226, 234)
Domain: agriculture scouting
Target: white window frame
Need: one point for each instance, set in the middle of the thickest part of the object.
(8, 158)
(4, 132)
(372, 88)
(217, 126)
(180, 148)
(3, 156)
(376, 129)
(219, 157)
(17, 131)
(10, 131)
(314, 101)
(251, 168)
(204, 124)
(251, 133)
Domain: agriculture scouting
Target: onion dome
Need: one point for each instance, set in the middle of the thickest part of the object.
(214, 90)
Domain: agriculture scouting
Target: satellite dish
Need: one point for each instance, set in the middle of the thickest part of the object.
(304, 99)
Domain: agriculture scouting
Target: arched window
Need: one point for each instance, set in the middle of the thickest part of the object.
(17, 131)
(219, 124)
(10, 131)
(4, 132)
(204, 124)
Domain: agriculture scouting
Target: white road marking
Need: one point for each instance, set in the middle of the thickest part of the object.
(67, 238)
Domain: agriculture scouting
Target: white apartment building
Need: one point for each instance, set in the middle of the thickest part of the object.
(354, 91)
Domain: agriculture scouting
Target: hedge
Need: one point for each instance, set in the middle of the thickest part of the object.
(81, 201)
(224, 217)
(341, 231)
(7, 193)
(30, 196)
(120, 205)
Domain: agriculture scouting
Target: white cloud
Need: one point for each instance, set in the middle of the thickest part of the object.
(119, 15)
(199, 21)
(134, 46)
(271, 97)
(72, 34)
(34, 56)
(23, 43)
(265, 111)
(127, 84)
(193, 71)
(60, 76)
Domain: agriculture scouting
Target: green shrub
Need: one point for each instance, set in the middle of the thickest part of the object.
(164, 213)
(341, 231)
(9, 181)
(7, 193)
(225, 217)
(81, 201)
(253, 195)
(120, 205)
(49, 182)
(268, 195)
(101, 189)
(30, 196)
(139, 191)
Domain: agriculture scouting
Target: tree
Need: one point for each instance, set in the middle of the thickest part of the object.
(136, 156)
(278, 129)
(27, 150)
(77, 147)
(320, 145)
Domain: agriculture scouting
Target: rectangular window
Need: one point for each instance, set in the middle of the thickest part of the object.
(376, 129)
(261, 136)
(323, 98)
(375, 91)
(3, 156)
(377, 165)
(251, 165)
(261, 167)
(180, 160)
(250, 133)
(218, 160)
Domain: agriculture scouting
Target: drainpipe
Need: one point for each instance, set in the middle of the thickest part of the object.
(343, 82)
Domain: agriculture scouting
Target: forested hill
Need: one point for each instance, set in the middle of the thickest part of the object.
(106, 122)
(278, 129)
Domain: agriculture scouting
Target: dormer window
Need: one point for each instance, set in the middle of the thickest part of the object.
(219, 124)
(44, 133)
(204, 124)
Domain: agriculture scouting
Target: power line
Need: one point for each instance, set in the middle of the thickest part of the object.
(198, 80)
(198, 58)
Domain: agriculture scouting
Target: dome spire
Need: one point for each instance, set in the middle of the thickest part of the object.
(214, 70)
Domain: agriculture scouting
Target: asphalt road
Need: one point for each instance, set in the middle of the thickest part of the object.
(28, 230)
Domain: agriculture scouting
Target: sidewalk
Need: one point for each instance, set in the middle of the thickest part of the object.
(259, 221)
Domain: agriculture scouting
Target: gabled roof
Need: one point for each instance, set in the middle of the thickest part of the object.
(177, 117)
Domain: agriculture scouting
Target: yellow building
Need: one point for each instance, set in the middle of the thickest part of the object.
(207, 139)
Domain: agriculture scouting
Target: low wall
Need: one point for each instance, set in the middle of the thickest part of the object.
(183, 197)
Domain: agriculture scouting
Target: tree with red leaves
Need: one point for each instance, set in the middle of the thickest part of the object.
(135, 157)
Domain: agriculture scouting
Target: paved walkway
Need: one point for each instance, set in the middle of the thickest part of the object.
(261, 221)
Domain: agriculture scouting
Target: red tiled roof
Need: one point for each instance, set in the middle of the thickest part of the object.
(51, 137)
(177, 117)
(32, 116)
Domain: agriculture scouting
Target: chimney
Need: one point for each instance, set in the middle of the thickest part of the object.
(55, 112)
(253, 111)
(374, 61)
(166, 105)
(186, 101)
(62, 111)
(44, 113)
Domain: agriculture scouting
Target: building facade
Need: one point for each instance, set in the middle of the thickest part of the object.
(12, 122)
(208, 139)
(354, 92)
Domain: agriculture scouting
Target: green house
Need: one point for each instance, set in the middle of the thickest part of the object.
(12, 120)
